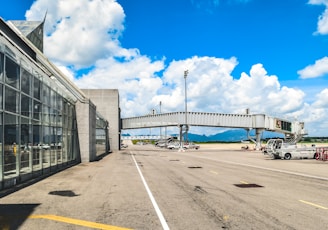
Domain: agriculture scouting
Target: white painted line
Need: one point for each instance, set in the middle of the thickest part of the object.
(153, 201)
(264, 168)
(313, 204)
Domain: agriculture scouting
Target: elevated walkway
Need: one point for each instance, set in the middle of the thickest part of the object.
(259, 122)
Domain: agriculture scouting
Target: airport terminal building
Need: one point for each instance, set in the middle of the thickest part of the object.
(46, 122)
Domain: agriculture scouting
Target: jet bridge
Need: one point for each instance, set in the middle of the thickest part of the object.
(259, 122)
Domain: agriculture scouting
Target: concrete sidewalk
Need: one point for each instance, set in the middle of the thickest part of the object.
(105, 192)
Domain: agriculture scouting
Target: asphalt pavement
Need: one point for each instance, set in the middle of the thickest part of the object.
(144, 187)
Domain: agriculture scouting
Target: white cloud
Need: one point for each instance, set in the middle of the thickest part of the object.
(322, 99)
(79, 32)
(319, 69)
(322, 27)
(86, 34)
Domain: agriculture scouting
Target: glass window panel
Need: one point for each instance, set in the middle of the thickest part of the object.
(45, 114)
(53, 146)
(59, 102)
(59, 145)
(53, 115)
(12, 73)
(1, 66)
(11, 100)
(59, 119)
(26, 81)
(37, 163)
(11, 141)
(66, 107)
(26, 146)
(1, 144)
(46, 95)
(36, 88)
(37, 108)
(53, 99)
(26, 106)
(64, 145)
(1, 100)
(45, 146)
(69, 145)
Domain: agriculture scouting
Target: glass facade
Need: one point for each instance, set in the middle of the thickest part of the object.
(102, 145)
(37, 122)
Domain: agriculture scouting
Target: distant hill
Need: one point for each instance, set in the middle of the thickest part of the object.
(234, 135)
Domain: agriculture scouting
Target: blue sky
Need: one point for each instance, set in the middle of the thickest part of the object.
(269, 56)
(275, 33)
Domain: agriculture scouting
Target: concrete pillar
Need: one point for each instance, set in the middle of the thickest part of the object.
(258, 138)
(107, 102)
(86, 125)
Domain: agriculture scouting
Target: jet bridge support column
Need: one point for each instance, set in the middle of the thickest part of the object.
(258, 138)
(257, 141)
(181, 146)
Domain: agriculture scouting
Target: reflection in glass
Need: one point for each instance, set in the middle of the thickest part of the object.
(1, 98)
(26, 81)
(11, 100)
(26, 105)
(46, 115)
(39, 124)
(36, 88)
(1, 152)
(37, 163)
(46, 95)
(45, 146)
(59, 145)
(26, 146)
(37, 110)
(11, 145)
(12, 73)
(1, 66)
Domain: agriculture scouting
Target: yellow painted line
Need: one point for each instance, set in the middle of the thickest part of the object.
(243, 182)
(315, 205)
(214, 172)
(77, 222)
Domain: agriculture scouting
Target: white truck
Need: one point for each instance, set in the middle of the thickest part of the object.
(278, 149)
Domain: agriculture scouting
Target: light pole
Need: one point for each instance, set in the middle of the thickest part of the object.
(186, 121)
(160, 128)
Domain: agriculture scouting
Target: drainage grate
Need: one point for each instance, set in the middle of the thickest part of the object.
(195, 167)
(248, 185)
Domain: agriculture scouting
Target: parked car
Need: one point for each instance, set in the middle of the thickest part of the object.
(191, 145)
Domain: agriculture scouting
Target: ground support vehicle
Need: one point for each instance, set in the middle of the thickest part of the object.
(173, 145)
(278, 149)
(176, 145)
(322, 153)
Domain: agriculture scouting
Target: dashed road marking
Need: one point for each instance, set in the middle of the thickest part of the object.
(313, 204)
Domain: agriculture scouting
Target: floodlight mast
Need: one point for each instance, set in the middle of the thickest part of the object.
(186, 121)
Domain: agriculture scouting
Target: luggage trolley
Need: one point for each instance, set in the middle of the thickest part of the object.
(322, 153)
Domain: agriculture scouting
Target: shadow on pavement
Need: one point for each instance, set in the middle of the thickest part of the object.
(12, 216)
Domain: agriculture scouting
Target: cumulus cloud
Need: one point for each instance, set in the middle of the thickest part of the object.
(86, 34)
(319, 69)
(212, 88)
(79, 32)
(322, 27)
